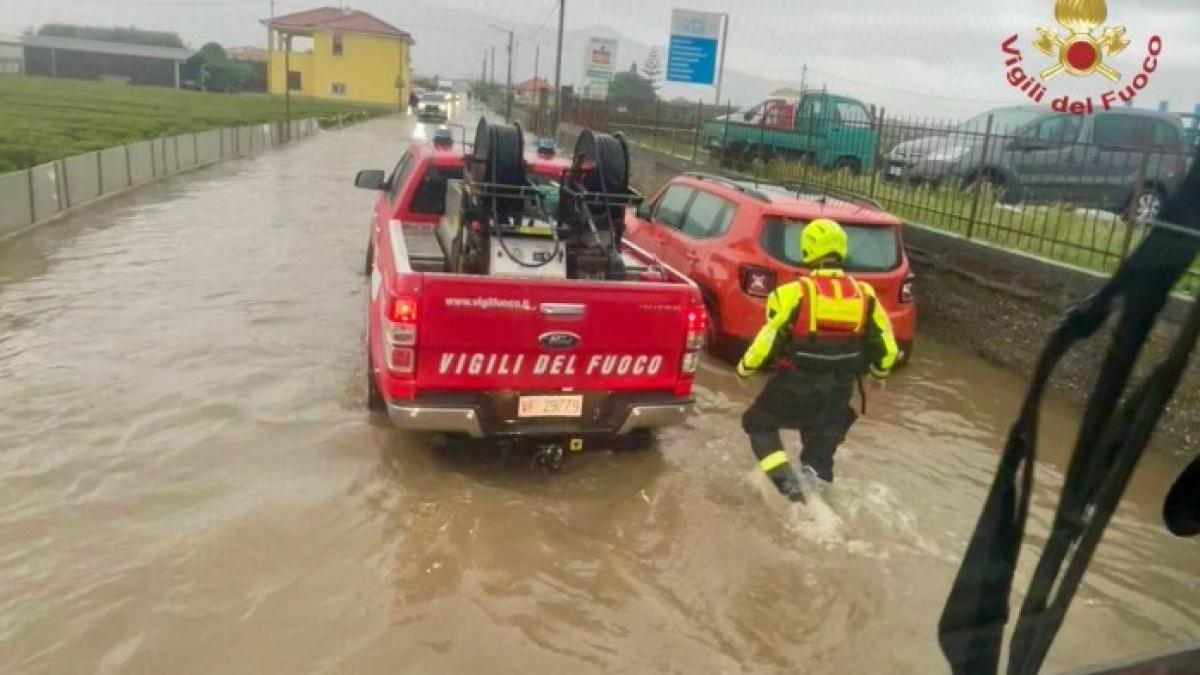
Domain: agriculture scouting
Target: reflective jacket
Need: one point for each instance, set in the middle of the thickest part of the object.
(829, 322)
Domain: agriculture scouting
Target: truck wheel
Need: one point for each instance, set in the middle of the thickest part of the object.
(375, 402)
(847, 164)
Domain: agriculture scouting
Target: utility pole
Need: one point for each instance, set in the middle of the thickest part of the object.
(508, 98)
(483, 75)
(562, 11)
(803, 78)
(287, 83)
(493, 80)
(724, 48)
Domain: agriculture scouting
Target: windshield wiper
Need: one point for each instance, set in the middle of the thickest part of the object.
(1112, 437)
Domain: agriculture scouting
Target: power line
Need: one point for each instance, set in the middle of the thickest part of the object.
(872, 85)
(553, 7)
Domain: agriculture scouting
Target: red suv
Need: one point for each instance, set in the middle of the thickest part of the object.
(738, 239)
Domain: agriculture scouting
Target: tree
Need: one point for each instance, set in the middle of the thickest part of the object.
(210, 69)
(629, 87)
(652, 68)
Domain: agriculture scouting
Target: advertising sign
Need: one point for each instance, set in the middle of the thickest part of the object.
(599, 64)
(692, 54)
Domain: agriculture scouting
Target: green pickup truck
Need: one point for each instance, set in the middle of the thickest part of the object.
(831, 131)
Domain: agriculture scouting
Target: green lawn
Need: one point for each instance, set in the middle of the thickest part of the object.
(42, 119)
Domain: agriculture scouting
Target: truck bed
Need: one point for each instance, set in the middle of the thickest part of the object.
(426, 253)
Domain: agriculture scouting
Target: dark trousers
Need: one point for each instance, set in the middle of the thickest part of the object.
(817, 405)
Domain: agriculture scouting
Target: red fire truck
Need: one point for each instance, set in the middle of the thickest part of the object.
(523, 312)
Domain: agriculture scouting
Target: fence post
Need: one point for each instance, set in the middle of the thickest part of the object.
(1131, 214)
(654, 123)
(879, 122)
(699, 122)
(99, 174)
(195, 150)
(128, 168)
(725, 130)
(32, 200)
(983, 154)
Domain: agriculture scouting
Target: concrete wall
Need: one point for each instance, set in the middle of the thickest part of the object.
(35, 195)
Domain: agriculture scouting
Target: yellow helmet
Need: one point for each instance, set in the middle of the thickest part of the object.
(822, 238)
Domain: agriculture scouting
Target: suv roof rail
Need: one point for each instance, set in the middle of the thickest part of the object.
(837, 193)
(731, 183)
(819, 192)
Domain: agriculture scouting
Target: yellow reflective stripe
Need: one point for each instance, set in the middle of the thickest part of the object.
(773, 461)
(810, 289)
(837, 290)
(862, 315)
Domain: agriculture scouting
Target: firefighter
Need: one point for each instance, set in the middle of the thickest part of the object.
(823, 333)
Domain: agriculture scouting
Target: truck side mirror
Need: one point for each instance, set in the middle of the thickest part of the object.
(370, 179)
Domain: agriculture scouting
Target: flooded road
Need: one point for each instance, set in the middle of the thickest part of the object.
(189, 482)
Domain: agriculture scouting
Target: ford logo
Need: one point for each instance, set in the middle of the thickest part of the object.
(558, 340)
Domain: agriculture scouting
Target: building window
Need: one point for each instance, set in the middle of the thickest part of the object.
(294, 80)
(338, 89)
(337, 44)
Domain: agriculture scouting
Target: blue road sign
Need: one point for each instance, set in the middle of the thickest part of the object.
(692, 60)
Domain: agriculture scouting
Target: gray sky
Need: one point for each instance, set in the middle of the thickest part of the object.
(939, 58)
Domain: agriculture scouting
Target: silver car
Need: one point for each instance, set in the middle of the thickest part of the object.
(1037, 155)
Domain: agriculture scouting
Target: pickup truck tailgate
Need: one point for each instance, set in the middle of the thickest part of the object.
(510, 334)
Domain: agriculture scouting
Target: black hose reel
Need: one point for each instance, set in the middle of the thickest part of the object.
(499, 162)
(607, 157)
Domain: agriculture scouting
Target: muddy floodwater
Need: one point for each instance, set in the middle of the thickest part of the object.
(189, 482)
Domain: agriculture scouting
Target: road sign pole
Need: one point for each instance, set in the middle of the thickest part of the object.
(721, 66)
(562, 10)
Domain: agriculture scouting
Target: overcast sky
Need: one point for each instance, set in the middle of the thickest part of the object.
(932, 57)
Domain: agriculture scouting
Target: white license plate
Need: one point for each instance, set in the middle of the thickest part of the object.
(895, 170)
(550, 406)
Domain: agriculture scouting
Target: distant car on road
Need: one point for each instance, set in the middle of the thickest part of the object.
(435, 106)
(738, 240)
(1035, 155)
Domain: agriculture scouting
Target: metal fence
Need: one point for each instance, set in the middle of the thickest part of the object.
(34, 195)
(1076, 189)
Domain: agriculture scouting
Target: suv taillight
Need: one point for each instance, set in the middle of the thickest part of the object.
(756, 281)
(400, 336)
(906, 291)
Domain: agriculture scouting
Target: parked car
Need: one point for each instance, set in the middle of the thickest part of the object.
(1092, 161)
(829, 130)
(737, 240)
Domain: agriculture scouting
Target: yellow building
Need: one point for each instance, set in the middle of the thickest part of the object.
(340, 54)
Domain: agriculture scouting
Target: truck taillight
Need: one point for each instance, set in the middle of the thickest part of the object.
(404, 310)
(400, 336)
(697, 325)
(697, 328)
(756, 281)
(906, 291)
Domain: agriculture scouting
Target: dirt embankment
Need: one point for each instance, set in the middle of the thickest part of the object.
(998, 304)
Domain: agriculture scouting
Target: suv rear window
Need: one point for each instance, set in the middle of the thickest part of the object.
(872, 248)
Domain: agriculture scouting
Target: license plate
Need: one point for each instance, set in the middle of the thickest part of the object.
(550, 406)
(895, 170)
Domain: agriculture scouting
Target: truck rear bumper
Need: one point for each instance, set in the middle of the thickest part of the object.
(479, 419)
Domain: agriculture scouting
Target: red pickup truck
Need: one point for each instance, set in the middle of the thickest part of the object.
(518, 352)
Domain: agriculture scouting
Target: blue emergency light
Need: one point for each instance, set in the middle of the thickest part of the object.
(545, 147)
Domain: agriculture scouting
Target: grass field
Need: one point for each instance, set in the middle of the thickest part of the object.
(42, 119)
